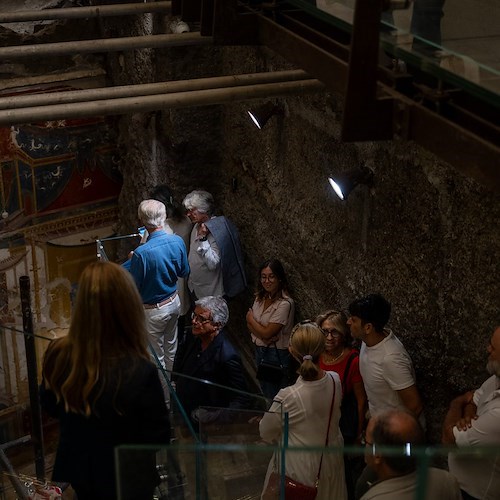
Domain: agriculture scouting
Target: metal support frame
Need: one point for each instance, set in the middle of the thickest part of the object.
(29, 343)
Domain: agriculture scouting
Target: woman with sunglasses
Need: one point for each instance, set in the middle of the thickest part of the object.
(340, 357)
(313, 407)
(270, 320)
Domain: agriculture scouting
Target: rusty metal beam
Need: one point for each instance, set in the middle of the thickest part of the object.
(365, 117)
(319, 63)
(467, 152)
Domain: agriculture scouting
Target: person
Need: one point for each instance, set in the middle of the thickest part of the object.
(385, 366)
(340, 357)
(155, 266)
(473, 419)
(210, 356)
(396, 473)
(177, 223)
(384, 363)
(101, 385)
(270, 321)
(215, 251)
(311, 417)
(343, 359)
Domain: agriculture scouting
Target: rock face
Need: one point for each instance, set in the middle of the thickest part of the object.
(426, 237)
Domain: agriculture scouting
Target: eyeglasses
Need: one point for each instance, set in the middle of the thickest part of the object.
(199, 319)
(271, 277)
(333, 333)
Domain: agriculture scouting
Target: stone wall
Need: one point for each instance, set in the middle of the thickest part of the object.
(426, 237)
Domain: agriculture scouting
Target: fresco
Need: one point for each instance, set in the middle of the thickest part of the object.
(53, 166)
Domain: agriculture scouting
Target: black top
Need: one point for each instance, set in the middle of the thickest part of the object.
(219, 363)
(135, 414)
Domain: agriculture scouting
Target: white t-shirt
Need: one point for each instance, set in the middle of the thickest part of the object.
(386, 368)
(480, 476)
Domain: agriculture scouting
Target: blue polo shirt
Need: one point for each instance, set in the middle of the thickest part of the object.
(156, 265)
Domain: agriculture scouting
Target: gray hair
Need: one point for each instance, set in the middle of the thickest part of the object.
(217, 307)
(200, 200)
(152, 213)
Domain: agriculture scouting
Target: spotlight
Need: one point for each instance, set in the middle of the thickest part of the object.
(345, 182)
(262, 114)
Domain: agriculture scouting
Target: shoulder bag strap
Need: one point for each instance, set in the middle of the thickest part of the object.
(327, 431)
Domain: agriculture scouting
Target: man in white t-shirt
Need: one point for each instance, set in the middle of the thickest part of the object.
(385, 366)
(473, 419)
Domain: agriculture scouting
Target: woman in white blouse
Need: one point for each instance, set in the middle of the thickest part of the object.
(311, 417)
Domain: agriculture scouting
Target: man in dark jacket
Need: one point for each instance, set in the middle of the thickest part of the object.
(210, 356)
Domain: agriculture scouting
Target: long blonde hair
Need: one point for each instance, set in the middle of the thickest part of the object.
(307, 342)
(107, 326)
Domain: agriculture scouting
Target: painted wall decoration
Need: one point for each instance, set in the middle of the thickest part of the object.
(51, 166)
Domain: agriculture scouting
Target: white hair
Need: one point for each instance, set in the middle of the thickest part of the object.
(200, 200)
(217, 307)
(152, 213)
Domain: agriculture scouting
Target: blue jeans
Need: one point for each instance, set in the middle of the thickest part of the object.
(276, 357)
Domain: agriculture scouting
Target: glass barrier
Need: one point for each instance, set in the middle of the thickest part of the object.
(237, 470)
(457, 42)
(113, 248)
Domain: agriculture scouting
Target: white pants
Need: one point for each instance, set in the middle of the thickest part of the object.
(161, 324)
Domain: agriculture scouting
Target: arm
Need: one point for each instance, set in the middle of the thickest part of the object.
(460, 408)
(277, 321)
(360, 394)
(271, 425)
(137, 270)
(264, 333)
(207, 248)
(411, 399)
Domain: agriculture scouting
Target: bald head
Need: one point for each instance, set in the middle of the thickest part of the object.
(396, 428)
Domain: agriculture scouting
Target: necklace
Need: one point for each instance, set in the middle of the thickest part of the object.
(331, 359)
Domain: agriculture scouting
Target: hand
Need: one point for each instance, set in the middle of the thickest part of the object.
(465, 422)
(202, 230)
(130, 254)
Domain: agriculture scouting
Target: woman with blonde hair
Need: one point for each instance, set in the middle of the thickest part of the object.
(313, 407)
(101, 385)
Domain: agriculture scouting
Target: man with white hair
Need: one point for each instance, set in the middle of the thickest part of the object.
(215, 252)
(473, 419)
(155, 267)
(213, 366)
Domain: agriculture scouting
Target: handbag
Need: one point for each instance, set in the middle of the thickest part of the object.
(293, 489)
(270, 372)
